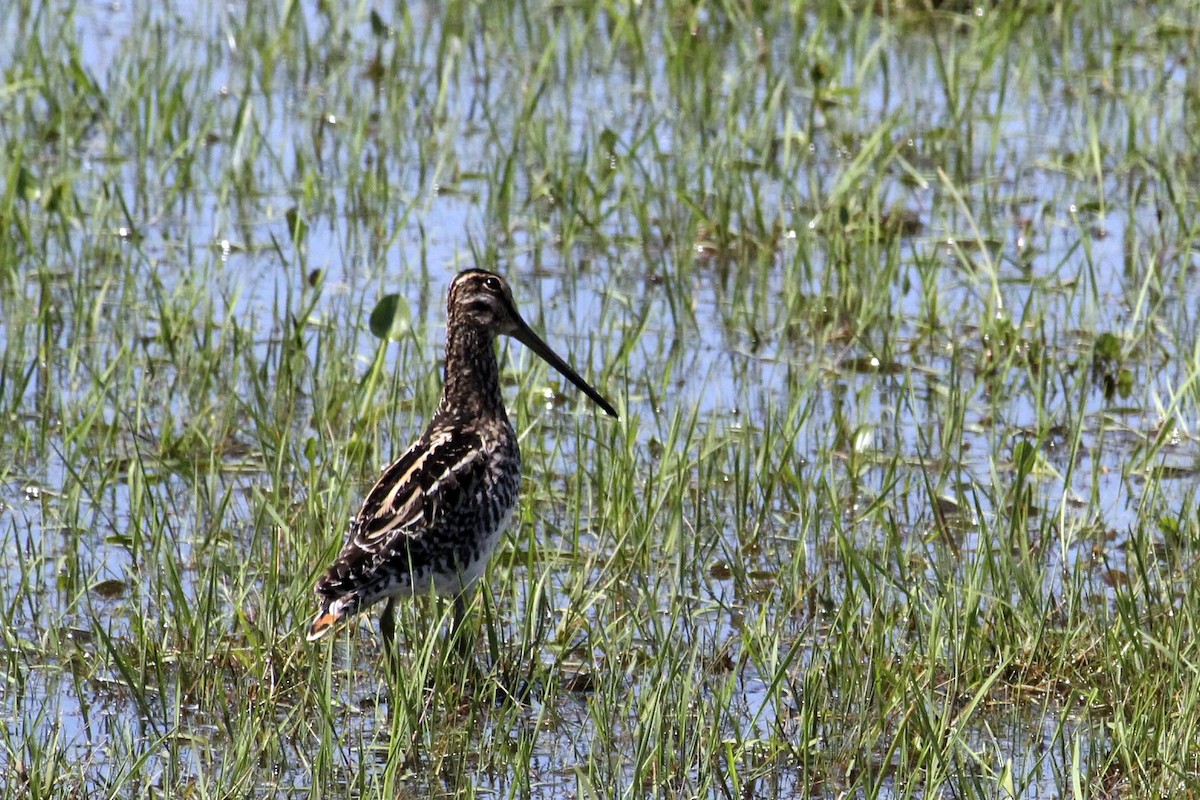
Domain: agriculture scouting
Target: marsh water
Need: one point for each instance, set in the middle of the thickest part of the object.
(1023, 221)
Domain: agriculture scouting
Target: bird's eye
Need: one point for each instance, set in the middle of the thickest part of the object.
(492, 285)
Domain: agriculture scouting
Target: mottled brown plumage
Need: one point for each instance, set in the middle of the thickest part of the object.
(437, 513)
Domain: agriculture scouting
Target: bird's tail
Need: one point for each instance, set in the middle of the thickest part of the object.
(332, 612)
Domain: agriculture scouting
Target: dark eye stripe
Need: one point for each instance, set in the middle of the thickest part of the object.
(480, 303)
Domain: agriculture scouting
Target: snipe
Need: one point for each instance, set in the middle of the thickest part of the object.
(437, 513)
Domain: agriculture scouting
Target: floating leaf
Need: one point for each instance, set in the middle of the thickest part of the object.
(608, 142)
(1173, 471)
(946, 506)
(722, 662)
(390, 318)
(1115, 578)
(79, 635)
(110, 589)
(297, 227)
(580, 682)
(870, 364)
(375, 71)
(1124, 383)
(902, 221)
(1108, 347)
(379, 28)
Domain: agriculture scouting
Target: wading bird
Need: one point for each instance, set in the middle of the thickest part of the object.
(437, 513)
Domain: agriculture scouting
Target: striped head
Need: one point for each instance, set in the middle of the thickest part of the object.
(481, 298)
(484, 299)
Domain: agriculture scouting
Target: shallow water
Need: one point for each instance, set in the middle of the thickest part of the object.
(1039, 246)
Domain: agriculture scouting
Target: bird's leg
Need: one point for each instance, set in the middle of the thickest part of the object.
(460, 618)
(387, 629)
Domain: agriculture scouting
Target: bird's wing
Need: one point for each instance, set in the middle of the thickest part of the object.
(434, 475)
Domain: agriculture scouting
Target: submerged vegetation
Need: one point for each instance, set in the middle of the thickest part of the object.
(897, 301)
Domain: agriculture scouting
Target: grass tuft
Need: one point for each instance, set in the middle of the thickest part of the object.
(895, 300)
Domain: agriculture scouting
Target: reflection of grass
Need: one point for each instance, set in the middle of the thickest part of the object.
(899, 318)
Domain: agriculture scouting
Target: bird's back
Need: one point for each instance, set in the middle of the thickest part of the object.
(431, 521)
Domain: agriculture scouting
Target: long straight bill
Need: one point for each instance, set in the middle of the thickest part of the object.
(525, 335)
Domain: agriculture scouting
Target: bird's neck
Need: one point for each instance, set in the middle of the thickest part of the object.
(472, 377)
